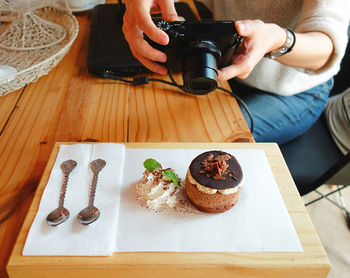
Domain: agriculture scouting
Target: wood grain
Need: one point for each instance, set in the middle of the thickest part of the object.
(66, 105)
(160, 113)
(7, 107)
(312, 262)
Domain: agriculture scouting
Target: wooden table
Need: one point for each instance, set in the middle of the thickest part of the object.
(70, 105)
(311, 263)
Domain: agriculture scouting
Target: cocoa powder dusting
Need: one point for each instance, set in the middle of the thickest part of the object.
(182, 205)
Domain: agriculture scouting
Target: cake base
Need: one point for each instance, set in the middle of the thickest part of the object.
(212, 203)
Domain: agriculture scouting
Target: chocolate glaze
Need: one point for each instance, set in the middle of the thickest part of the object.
(233, 176)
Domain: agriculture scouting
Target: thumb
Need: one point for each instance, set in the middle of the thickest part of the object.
(244, 27)
(167, 8)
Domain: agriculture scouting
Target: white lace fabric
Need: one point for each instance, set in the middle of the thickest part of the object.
(35, 41)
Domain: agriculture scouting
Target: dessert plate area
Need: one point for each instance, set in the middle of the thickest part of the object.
(259, 222)
(266, 234)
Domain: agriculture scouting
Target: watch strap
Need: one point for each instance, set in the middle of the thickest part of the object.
(285, 48)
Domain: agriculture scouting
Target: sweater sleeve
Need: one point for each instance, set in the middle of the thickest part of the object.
(332, 18)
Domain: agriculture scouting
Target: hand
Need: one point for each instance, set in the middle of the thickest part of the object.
(137, 20)
(259, 39)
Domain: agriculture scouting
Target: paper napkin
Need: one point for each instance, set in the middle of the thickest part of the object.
(72, 238)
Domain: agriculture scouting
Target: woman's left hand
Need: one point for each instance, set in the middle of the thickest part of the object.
(259, 39)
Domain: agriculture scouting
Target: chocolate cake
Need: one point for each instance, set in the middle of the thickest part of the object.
(214, 181)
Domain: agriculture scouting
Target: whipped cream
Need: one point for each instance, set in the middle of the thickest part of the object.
(161, 195)
(157, 193)
(211, 191)
(204, 189)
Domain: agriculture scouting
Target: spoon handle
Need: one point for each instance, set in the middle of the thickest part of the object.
(67, 167)
(96, 166)
(63, 190)
(93, 189)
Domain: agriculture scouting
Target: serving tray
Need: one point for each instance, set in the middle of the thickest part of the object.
(313, 262)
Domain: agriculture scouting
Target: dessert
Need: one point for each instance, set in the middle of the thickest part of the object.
(214, 181)
(160, 189)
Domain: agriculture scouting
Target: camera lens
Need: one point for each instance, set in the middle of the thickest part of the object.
(199, 73)
(199, 62)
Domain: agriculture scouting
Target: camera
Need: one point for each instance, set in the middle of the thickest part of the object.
(198, 49)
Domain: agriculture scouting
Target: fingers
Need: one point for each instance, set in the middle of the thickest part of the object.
(250, 52)
(149, 57)
(244, 27)
(137, 20)
(242, 64)
(137, 44)
(145, 23)
(153, 66)
(144, 49)
(168, 10)
(146, 54)
(240, 68)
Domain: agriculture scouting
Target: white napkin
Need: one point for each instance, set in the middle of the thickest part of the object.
(72, 238)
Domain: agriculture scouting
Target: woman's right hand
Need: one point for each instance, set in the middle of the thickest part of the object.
(137, 20)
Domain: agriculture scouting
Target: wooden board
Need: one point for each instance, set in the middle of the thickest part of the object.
(313, 262)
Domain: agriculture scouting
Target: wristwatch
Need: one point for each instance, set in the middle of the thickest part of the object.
(285, 48)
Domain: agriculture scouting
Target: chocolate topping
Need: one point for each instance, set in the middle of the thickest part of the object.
(216, 169)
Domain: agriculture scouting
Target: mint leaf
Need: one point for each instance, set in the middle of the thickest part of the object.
(171, 175)
(151, 164)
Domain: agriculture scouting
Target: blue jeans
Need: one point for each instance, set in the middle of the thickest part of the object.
(282, 118)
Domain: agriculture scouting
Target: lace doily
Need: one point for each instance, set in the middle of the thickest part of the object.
(34, 55)
(29, 31)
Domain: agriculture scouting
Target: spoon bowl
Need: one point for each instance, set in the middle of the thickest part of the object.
(88, 215)
(97, 165)
(57, 216)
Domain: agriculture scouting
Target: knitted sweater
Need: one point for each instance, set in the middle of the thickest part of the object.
(327, 16)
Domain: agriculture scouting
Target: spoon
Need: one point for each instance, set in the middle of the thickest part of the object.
(61, 214)
(91, 213)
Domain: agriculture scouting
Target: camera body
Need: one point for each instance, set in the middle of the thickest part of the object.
(198, 49)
